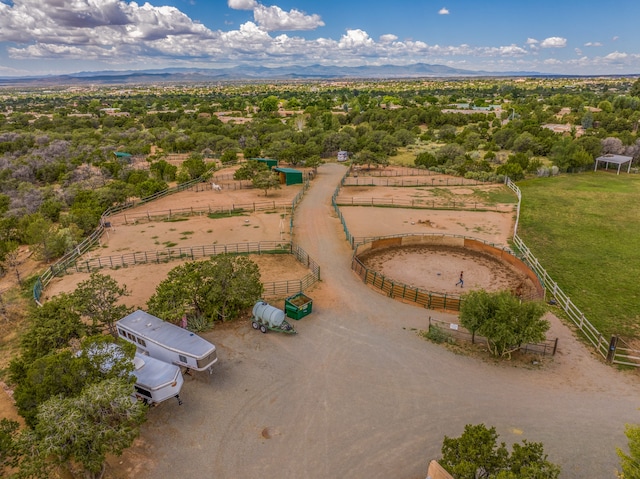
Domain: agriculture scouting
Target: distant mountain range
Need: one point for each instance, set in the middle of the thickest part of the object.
(255, 73)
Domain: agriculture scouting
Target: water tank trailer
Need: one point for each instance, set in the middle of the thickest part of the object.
(267, 317)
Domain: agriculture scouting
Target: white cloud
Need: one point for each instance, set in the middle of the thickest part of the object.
(552, 61)
(578, 51)
(532, 41)
(615, 56)
(554, 42)
(593, 44)
(242, 4)
(443, 11)
(274, 18)
(388, 38)
(356, 39)
(615, 38)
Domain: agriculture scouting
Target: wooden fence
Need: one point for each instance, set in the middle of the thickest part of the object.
(400, 291)
(454, 330)
(432, 204)
(173, 213)
(189, 253)
(365, 180)
(277, 288)
(381, 172)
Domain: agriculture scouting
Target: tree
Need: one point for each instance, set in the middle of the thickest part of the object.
(84, 429)
(475, 309)
(630, 463)
(504, 320)
(97, 299)
(476, 454)
(426, 159)
(10, 260)
(229, 156)
(237, 287)
(194, 166)
(635, 88)
(269, 104)
(9, 452)
(163, 170)
(51, 327)
(314, 161)
(528, 461)
(43, 238)
(218, 289)
(266, 180)
(249, 169)
(368, 157)
(65, 373)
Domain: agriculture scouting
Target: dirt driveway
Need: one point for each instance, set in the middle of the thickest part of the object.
(358, 394)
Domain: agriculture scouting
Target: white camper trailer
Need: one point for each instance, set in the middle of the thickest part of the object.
(167, 342)
(156, 380)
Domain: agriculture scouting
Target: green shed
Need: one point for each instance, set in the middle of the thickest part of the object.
(289, 176)
(122, 156)
(270, 162)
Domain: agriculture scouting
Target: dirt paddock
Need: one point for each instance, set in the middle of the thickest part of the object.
(437, 269)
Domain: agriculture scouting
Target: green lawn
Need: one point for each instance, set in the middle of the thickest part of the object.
(584, 229)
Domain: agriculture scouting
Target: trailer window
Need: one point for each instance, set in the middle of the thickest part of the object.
(141, 342)
(142, 392)
(131, 337)
(182, 358)
(121, 333)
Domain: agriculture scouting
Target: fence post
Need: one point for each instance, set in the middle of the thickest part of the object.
(555, 347)
(613, 344)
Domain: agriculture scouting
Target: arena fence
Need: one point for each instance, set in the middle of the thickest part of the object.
(614, 350)
(457, 332)
(421, 297)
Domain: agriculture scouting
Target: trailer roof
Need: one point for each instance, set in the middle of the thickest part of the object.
(152, 372)
(169, 335)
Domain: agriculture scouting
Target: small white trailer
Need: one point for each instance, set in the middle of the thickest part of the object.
(167, 342)
(156, 381)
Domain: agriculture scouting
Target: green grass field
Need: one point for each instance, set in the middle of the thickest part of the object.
(584, 229)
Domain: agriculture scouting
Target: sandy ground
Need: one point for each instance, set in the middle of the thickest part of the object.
(357, 393)
(438, 269)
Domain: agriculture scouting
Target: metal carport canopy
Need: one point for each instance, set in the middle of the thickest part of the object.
(616, 159)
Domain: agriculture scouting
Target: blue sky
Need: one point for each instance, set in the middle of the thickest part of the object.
(559, 36)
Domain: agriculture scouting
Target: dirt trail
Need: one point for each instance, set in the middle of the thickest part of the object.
(358, 394)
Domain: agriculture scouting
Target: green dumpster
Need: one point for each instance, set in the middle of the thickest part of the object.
(298, 306)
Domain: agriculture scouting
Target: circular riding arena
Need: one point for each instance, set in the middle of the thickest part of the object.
(435, 263)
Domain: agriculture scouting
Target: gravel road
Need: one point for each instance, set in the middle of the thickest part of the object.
(358, 394)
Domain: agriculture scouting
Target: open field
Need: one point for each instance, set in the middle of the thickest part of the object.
(584, 230)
